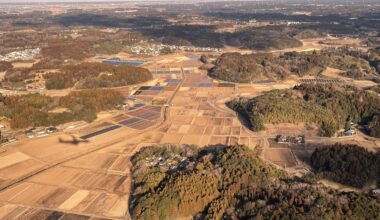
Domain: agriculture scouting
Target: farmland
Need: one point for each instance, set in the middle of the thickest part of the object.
(109, 111)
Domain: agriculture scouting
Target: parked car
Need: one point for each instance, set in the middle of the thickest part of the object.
(32, 130)
(30, 135)
(51, 130)
(42, 134)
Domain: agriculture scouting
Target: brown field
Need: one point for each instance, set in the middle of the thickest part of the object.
(282, 157)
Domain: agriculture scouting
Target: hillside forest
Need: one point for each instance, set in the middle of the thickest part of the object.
(232, 182)
(235, 67)
(330, 106)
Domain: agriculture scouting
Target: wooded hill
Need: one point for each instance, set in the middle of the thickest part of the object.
(233, 183)
(35, 110)
(235, 67)
(260, 38)
(96, 75)
(330, 106)
(347, 164)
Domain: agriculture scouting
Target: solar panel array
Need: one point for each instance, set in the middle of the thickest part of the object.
(102, 131)
(166, 71)
(321, 81)
(118, 61)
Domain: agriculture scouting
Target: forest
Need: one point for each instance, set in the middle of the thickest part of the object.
(231, 182)
(235, 67)
(330, 106)
(96, 75)
(34, 110)
(347, 164)
(5, 66)
(207, 36)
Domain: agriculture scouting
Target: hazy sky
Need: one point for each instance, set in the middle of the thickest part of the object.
(36, 1)
(43, 1)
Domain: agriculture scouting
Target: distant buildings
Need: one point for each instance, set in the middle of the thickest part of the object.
(27, 54)
(158, 49)
(293, 22)
(33, 132)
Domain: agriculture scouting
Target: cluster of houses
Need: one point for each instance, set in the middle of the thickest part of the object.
(158, 49)
(300, 139)
(27, 54)
(34, 132)
(5, 137)
(8, 139)
(171, 163)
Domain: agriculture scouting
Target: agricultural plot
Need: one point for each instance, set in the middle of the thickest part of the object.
(140, 119)
(149, 93)
(281, 156)
(194, 121)
(197, 80)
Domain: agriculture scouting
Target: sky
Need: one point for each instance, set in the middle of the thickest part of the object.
(44, 1)
(186, 1)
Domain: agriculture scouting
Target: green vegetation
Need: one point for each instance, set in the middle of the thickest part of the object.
(233, 183)
(329, 106)
(207, 36)
(376, 89)
(262, 40)
(347, 164)
(96, 75)
(235, 67)
(34, 109)
(108, 47)
(374, 58)
(308, 33)
(160, 101)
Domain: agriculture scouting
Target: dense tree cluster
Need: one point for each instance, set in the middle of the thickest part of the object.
(347, 164)
(108, 47)
(374, 58)
(235, 67)
(34, 109)
(330, 106)
(18, 76)
(307, 34)
(376, 89)
(5, 66)
(262, 39)
(207, 36)
(59, 51)
(96, 75)
(233, 183)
